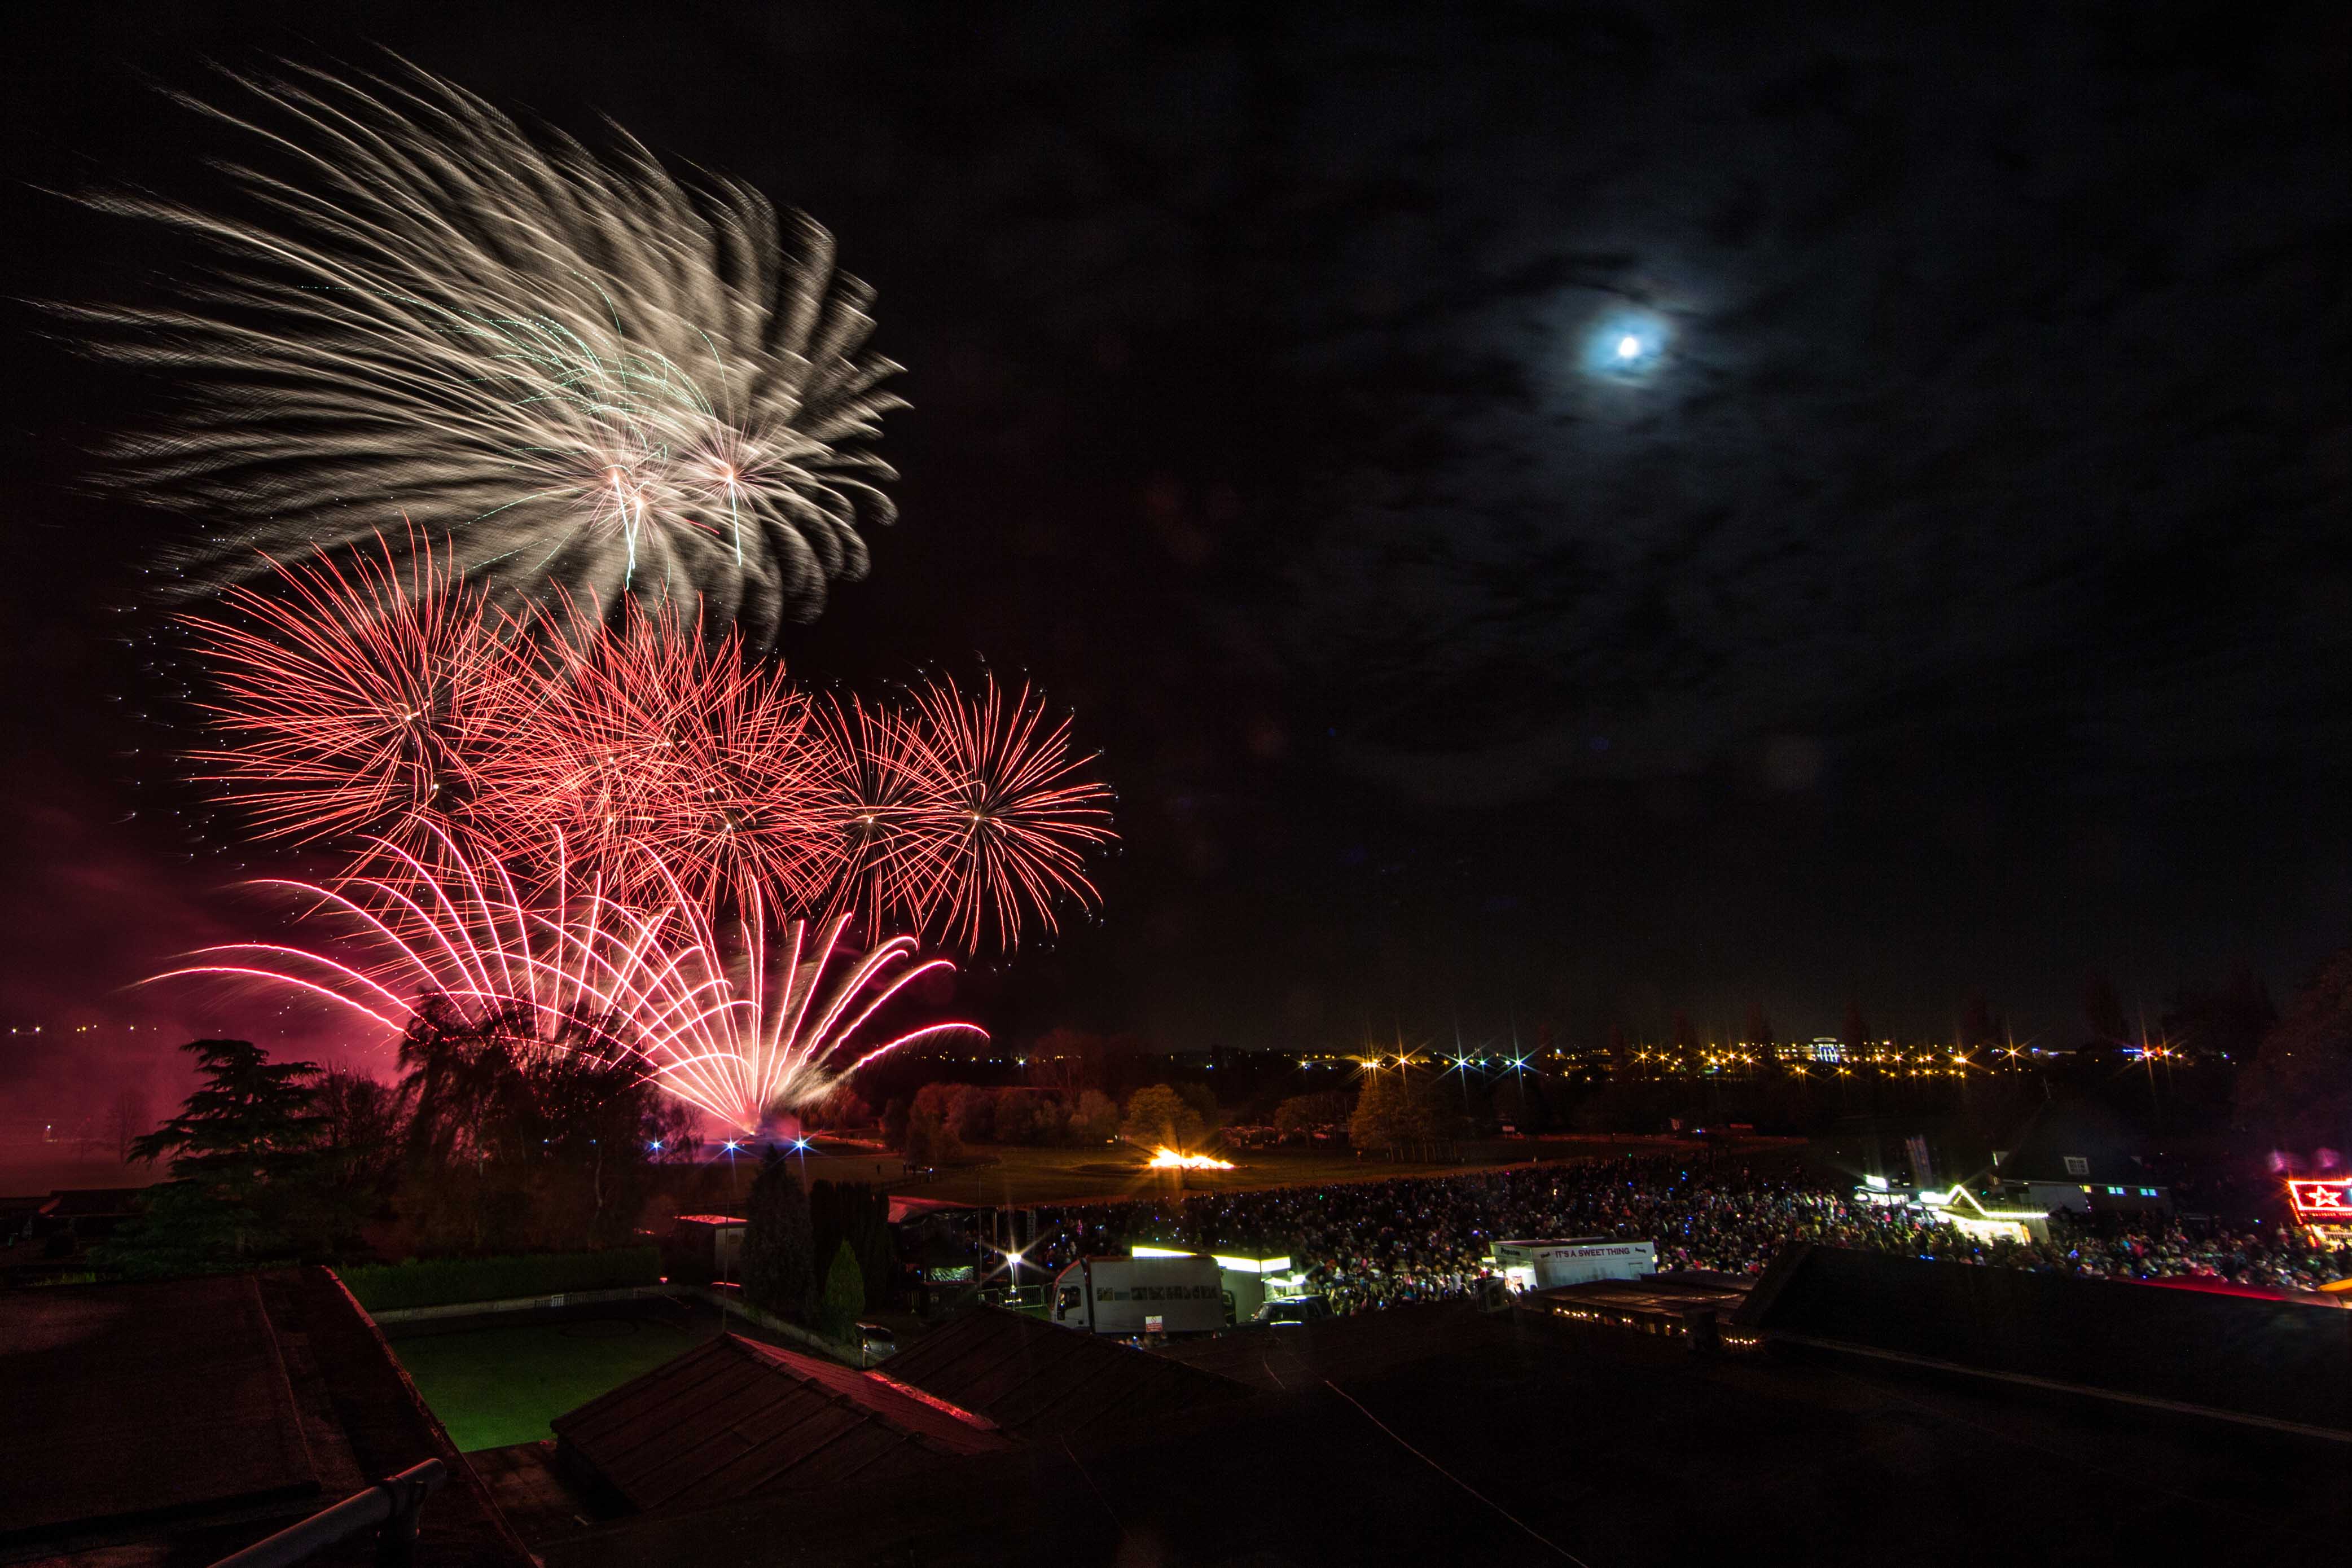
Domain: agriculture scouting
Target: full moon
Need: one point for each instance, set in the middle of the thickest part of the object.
(1624, 344)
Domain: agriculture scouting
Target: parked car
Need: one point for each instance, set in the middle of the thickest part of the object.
(1291, 1310)
(877, 1341)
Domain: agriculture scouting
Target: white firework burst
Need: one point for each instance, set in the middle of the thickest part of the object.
(581, 370)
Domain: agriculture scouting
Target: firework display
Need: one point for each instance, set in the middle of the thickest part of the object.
(586, 808)
(636, 751)
(589, 375)
(737, 1022)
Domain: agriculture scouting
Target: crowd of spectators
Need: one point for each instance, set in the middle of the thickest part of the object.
(1365, 1245)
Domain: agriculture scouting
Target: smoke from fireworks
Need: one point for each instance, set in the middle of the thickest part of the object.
(587, 374)
(742, 1020)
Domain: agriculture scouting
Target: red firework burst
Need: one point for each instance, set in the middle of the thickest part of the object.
(1005, 819)
(354, 701)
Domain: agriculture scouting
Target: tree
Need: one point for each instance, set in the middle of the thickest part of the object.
(840, 1110)
(127, 1119)
(240, 1148)
(1204, 1101)
(2229, 1022)
(779, 1270)
(1978, 1028)
(971, 1111)
(1372, 1125)
(362, 1138)
(930, 1140)
(1158, 1117)
(844, 1297)
(894, 1124)
(2298, 1093)
(1097, 1118)
(516, 1140)
(1302, 1115)
(855, 1215)
(2104, 1012)
(1393, 1110)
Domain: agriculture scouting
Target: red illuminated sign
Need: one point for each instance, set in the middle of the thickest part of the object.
(2321, 1202)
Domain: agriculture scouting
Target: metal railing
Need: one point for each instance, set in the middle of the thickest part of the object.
(390, 1508)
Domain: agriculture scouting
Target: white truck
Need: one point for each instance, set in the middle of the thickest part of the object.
(1573, 1260)
(1130, 1296)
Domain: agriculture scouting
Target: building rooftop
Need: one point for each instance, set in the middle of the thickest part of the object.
(180, 1421)
(733, 1418)
(1044, 1382)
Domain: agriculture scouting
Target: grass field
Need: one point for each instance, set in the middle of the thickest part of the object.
(1020, 1177)
(493, 1386)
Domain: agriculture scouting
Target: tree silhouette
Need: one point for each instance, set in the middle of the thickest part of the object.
(2103, 1010)
(779, 1270)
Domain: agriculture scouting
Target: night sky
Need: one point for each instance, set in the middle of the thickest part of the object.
(1949, 590)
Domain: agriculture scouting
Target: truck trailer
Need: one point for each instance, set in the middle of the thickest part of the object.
(1573, 1260)
(1130, 1296)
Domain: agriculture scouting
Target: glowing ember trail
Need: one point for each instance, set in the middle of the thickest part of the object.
(1167, 1159)
(743, 1026)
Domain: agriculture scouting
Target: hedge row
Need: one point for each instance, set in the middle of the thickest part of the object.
(447, 1281)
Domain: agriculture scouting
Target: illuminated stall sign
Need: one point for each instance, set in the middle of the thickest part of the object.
(2321, 1202)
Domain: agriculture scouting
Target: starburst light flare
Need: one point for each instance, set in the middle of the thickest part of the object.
(586, 371)
(744, 1021)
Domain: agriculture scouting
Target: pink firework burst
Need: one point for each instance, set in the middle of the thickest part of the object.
(354, 701)
(742, 1021)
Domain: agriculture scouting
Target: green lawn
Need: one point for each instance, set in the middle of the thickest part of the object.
(494, 1386)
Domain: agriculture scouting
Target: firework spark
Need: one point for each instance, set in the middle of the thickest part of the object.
(743, 1023)
(584, 371)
